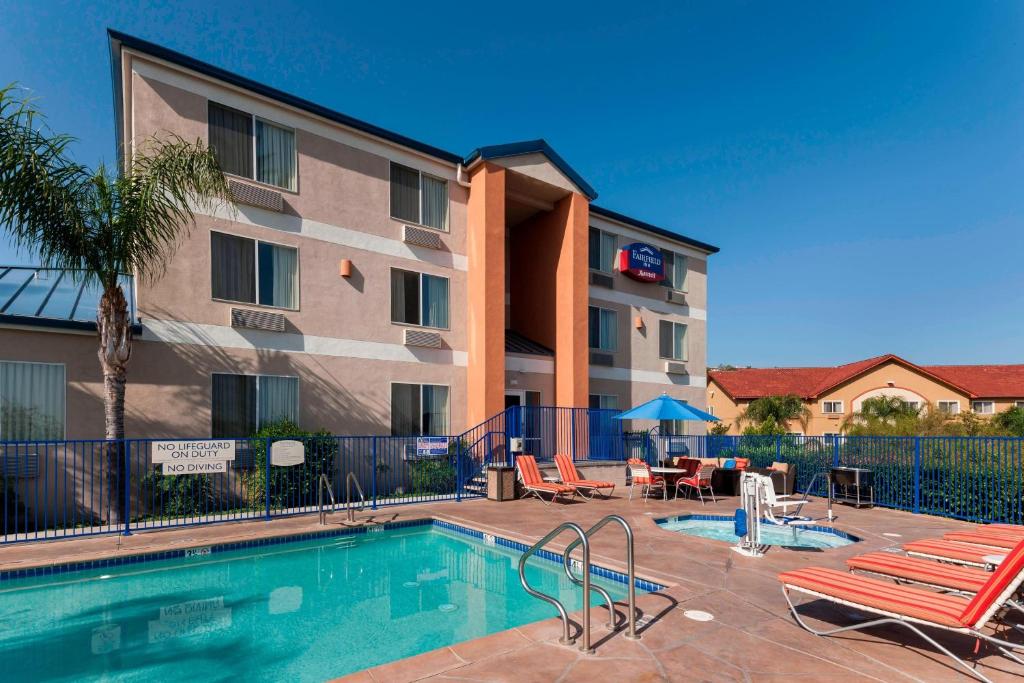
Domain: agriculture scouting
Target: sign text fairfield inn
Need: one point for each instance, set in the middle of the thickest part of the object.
(642, 262)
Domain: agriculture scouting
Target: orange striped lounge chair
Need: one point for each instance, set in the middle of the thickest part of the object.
(534, 484)
(912, 607)
(588, 488)
(955, 552)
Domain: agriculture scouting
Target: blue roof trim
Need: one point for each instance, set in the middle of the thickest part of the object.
(622, 218)
(118, 39)
(514, 149)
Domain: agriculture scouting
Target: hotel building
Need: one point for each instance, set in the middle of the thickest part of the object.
(362, 282)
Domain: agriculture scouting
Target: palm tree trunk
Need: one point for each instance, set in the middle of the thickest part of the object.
(115, 338)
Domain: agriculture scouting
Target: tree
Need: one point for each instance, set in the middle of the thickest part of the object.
(772, 414)
(1011, 421)
(100, 226)
(719, 428)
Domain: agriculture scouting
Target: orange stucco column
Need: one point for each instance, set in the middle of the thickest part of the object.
(485, 281)
(572, 360)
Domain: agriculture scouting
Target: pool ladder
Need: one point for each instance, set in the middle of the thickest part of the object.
(583, 540)
(324, 483)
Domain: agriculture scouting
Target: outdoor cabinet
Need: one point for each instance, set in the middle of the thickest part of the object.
(501, 483)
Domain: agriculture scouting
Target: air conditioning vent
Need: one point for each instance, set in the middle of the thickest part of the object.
(430, 340)
(252, 195)
(18, 465)
(675, 296)
(257, 320)
(675, 368)
(605, 359)
(602, 280)
(421, 237)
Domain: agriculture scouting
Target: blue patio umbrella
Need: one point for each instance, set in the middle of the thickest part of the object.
(666, 408)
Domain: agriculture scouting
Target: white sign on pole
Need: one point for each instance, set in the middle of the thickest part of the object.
(287, 453)
(211, 450)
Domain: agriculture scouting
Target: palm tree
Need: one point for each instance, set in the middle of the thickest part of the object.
(101, 226)
(774, 413)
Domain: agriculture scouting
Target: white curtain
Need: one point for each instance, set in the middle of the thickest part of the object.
(435, 202)
(435, 301)
(278, 399)
(609, 323)
(279, 276)
(435, 410)
(607, 252)
(31, 401)
(275, 155)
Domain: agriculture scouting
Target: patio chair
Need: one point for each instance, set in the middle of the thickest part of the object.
(588, 488)
(534, 484)
(640, 475)
(700, 481)
(954, 552)
(912, 607)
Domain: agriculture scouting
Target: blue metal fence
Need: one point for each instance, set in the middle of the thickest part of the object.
(51, 489)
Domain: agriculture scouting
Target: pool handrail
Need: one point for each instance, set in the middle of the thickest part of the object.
(630, 572)
(349, 480)
(320, 484)
(566, 639)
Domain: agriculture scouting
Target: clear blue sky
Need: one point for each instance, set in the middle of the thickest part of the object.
(861, 165)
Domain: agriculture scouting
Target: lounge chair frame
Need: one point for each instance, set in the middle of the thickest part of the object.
(586, 489)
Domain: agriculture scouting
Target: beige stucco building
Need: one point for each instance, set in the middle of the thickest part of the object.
(363, 282)
(831, 394)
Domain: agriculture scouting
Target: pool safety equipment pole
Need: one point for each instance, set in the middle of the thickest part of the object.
(748, 517)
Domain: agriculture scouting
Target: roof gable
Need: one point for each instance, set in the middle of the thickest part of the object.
(530, 147)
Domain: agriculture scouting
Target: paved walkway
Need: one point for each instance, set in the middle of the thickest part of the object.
(752, 637)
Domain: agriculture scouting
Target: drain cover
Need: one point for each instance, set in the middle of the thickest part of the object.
(698, 615)
(447, 607)
(411, 584)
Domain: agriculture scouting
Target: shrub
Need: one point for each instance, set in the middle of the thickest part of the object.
(289, 486)
(432, 476)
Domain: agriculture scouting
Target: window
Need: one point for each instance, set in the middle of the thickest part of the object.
(243, 404)
(675, 270)
(672, 427)
(1018, 404)
(32, 398)
(244, 143)
(949, 407)
(532, 398)
(672, 340)
(419, 409)
(604, 401)
(603, 328)
(418, 198)
(831, 407)
(419, 299)
(602, 250)
(983, 407)
(916, 405)
(794, 433)
(830, 435)
(250, 271)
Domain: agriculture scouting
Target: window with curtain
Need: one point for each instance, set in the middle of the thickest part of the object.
(243, 404)
(675, 270)
(603, 328)
(250, 271)
(672, 427)
(32, 400)
(604, 402)
(602, 250)
(252, 148)
(419, 299)
(418, 198)
(419, 410)
(672, 340)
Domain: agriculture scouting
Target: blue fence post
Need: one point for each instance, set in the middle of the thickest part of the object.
(266, 480)
(835, 452)
(917, 474)
(572, 432)
(127, 488)
(458, 470)
(373, 478)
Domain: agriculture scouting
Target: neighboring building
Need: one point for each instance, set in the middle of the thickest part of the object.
(366, 282)
(832, 394)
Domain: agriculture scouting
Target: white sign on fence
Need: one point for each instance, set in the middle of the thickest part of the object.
(186, 467)
(211, 450)
(431, 445)
(287, 453)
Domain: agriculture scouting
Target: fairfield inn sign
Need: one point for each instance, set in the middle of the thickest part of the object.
(642, 262)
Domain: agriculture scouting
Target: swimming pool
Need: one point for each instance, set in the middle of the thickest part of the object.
(300, 611)
(720, 528)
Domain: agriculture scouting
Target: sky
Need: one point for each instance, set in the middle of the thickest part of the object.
(861, 165)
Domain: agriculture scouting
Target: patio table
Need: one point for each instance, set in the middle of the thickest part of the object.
(667, 470)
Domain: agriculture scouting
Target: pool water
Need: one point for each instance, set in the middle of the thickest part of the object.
(721, 529)
(305, 611)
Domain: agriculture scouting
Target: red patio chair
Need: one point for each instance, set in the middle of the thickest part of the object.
(701, 481)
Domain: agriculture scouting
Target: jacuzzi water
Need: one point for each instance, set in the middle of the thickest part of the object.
(304, 611)
(722, 529)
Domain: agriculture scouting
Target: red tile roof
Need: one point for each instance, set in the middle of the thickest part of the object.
(977, 381)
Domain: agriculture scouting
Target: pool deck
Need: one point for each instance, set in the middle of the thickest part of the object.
(752, 637)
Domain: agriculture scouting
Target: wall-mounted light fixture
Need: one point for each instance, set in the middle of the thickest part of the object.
(638, 322)
(345, 268)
